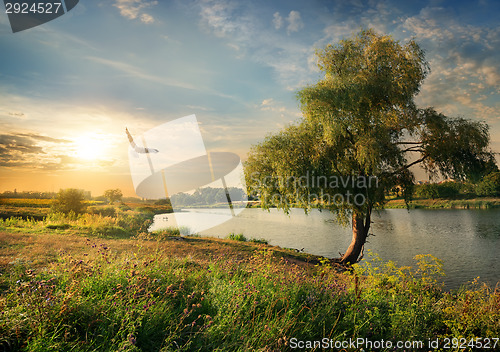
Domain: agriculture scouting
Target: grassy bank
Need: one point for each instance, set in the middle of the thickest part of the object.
(68, 290)
(475, 203)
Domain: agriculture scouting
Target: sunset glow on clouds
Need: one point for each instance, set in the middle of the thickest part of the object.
(69, 88)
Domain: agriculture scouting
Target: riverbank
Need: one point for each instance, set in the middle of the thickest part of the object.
(67, 289)
(475, 203)
(439, 203)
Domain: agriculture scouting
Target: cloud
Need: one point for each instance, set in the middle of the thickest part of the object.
(43, 138)
(294, 22)
(464, 62)
(33, 151)
(278, 107)
(267, 102)
(217, 15)
(147, 18)
(133, 9)
(243, 27)
(136, 72)
(277, 20)
(16, 114)
(21, 150)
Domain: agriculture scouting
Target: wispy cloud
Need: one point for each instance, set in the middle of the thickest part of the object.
(464, 61)
(136, 72)
(294, 22)
(133, 9)
(24, 150)
(244, 27)
(277, 20)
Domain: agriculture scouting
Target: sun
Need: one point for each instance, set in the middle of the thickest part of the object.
(90, 147)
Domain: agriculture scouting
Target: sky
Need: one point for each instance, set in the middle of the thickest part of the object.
(69, 87)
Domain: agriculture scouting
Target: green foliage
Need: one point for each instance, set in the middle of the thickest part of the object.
(237, 237)
(58, 226)
(260, 240)
(456, 147)
(18, 222)
(207, 196)
(489, 185)
(69, 200)
(360, 120)
(113, 195)
(152, 302)
(103, 211)
(102, 224)
(447, 189)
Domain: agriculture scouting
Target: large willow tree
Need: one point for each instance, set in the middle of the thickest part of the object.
(360, 134)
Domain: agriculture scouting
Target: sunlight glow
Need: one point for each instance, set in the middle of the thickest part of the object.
(91, 147)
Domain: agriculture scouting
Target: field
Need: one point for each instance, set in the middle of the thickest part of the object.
(101, 283)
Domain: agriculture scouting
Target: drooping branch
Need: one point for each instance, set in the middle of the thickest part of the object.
(413, 149)
(410, 164)
(401, 169)
(404, 142)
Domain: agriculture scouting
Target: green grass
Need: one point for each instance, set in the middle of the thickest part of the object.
(124, 224)
(476, 203)
(143, 300)
(60, 291)
(237, 237)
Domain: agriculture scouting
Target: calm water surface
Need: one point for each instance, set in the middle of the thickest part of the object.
(468, 241)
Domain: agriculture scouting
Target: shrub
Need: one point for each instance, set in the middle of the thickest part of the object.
(103, 211)
(113, 195)
(238, 237)
(69, 200)
(489, 186)
(261, 240)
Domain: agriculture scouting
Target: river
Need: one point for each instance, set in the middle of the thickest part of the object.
(467, 241)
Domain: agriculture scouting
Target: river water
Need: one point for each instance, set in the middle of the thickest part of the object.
(467, 241)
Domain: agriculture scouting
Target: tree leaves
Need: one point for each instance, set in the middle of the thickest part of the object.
(361, 120)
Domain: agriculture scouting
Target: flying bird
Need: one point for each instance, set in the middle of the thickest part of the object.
(141, 150)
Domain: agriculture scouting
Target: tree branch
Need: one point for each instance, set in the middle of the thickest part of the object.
(410, 164)
(412, 149)
(408, 142)
(405, 167)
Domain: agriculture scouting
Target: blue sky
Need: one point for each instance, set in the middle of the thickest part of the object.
(69, 87)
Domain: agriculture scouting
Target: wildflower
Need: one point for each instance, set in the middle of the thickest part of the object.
(132, 339)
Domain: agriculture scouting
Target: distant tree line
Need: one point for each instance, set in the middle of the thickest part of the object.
(207, 196)
(28, 195)
(489, 186)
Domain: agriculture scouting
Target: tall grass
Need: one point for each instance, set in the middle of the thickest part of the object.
(151, 302)
(123, 224)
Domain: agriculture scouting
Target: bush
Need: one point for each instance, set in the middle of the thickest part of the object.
(238, 237)
(260, 241)
(103, 211)
(489, 186)
(135, 222)
(58, 226)
(69, 200)
(113, 195)
(449, 189)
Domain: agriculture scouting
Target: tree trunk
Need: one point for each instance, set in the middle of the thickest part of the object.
(360, 227)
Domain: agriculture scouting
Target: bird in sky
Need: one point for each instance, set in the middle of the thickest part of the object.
(141, 150)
